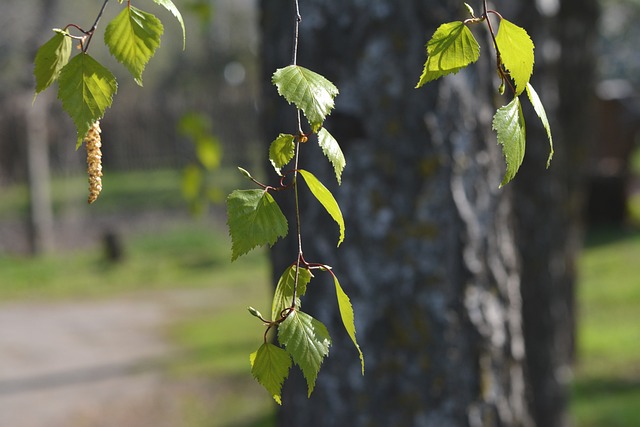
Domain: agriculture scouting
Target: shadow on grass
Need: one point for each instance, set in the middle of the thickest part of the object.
(601, 236)
(607, 402)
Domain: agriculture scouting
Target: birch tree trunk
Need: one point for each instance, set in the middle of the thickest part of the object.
(429, 259)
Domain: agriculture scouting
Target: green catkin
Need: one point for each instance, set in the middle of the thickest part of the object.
(94, 161)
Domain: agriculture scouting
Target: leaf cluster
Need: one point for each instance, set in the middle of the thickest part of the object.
(453, 47)
(85, 87)
(255, 219)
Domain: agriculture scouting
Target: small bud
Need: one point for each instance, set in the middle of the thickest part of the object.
(470, 10)
(245, 173)
(254, 312)
(94, 161)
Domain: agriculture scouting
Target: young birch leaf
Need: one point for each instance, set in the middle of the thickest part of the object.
(539, 109)
(516, 53)
(284, 291)
(133, 37)
(508, 122)
(51, 57)
(168, 4)
(309, 91)
(281, 151)
(254, 219)
(326, 199)
(307, 341)
(348, 319)
(86, 89)
(270, 366)
(451, 48)
(332, 150)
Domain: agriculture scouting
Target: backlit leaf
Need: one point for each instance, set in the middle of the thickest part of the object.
(348, 318)
(281, 151)
(516, 52)
(451, 48)
(254, 219)
(309, 91)
(270, 365)
(284, 291)
(51, 57)
(332, 150)
(133, 37)
(307, 341)
(508, 122)
(539, 109)
(168, 4)
(86, 89)
(326, 199)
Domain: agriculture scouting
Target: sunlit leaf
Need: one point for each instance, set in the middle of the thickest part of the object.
(281, 151)
(307, 341)
(168, 4)
(283, 295)
(254, 219)
(508, 122)
(516, 53)
(309, 91)
(451, 48)
(348, 318)
(51, 57)
(539, 109)
(86, 89)
(132, 38)
(270, 365)
(326, 199)
(332, 150)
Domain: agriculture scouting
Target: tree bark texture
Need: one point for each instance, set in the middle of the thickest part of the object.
(549, 204)
(429, 259)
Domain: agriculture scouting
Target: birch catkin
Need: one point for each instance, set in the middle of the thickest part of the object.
(94, 161)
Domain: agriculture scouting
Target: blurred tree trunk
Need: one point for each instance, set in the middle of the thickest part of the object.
(429, 259)
(549, 204)
(38, 173)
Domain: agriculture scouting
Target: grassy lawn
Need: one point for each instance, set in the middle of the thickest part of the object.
(607, 383)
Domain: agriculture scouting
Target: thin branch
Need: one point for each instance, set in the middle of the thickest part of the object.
(499, 66)
(296, 27)
(94, 26)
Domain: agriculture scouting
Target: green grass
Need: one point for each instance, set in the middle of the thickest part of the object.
(189, 255)
(607, 383)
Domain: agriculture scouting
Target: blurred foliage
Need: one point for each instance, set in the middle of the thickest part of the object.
(197, 187)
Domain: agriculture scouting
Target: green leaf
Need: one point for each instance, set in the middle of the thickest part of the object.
(508, 122)
(326, 199)
(309, 91)
(516, 53)
(332, 150)
(192, 178)
(451, 48)
(168, 4)
(270, 365)
(282, 151)
(348, 319)
(284, 291)
(209, 151)
(254, 219)
(307, 341)
(51, 57)
(133, 37)
(86, 89)
(539, 109)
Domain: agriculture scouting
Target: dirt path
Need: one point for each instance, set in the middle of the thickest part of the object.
(97, 363)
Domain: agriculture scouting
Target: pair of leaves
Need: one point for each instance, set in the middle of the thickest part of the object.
(255, 219)
(306, 339)
(509, 124)
(307, 342)
(314, 96)
(454, 47)
(85, 87)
